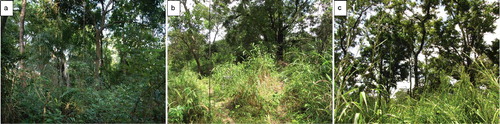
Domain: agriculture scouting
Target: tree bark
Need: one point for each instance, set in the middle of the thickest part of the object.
(4, 20)
(281, 45)
(98, 51)
(64, 71)
(409, 77)
(415, 70)
(194, 54)
(21, 31)
(21, 39)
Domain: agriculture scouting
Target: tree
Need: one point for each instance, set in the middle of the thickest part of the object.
(21, 37)
(422, 22)
(349, 28)
(277, 19)
(99, 25)
(474, 18)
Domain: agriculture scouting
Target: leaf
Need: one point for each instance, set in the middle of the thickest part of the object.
(356, 117)
(362, 98)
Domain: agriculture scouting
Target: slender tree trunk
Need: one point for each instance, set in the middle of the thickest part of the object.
(197, 59)
(4, 20)
(99, 35)
(98, 52)
(409, 77)
(415, 70)
(21, 40)
(467, 50)
(381, 68)
(64, 71)
(472, 73)
(425, 72)
(422, 43)
(191, 48)
(281, 45)
(21, 31)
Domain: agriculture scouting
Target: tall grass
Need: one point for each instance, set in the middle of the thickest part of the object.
(459, 103)
(187, 98)
(256, 90)
(246, 89)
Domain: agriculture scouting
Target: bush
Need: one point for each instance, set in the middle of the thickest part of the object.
(242, 83)
(186, 98)
(308, 93)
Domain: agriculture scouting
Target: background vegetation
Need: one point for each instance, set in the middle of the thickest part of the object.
(77, 61)
(438, 46)
(270, 64)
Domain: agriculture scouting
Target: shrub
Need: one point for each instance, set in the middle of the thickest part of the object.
(186, 98)
(308, 92)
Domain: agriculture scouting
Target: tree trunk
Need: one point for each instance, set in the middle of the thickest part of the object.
(4, 20)
(422, 43)
(64, 71)
(281, 45)
(98, 51)
(415, 71)
(21, 32)
(21, 39)
(99, 35)
(409, 78)
(467, 50)
(197, 59)
(472, 73)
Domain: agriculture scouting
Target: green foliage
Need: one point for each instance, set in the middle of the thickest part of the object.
(255, 90)
(187, 98)
(59, 61)
(309, 89)
(41, 102)
(266, 68)
(458, 103)
(452, 71)
(242, 84)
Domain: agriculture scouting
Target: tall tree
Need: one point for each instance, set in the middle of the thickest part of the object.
(100, 25)
(266, 22)
(473, 18)
(21, 38)
(349, 29)
(422, 20)
(282, 16)
(192, 32)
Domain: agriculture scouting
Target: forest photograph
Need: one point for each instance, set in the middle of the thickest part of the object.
(83, 61)
(417, 61)
(250, 61)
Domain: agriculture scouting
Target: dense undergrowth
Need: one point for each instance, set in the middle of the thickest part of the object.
(41, 102)
(256, 90)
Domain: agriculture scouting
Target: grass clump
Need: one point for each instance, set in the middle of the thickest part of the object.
(187, 103)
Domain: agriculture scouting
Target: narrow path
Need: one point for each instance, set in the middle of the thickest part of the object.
(269, 86)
